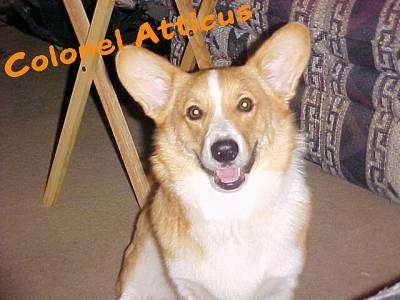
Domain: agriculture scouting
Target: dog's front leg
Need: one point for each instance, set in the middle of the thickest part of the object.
(143, 275)
(277, 289)
(189, 290)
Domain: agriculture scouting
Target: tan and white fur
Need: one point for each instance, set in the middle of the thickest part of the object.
(228, 218)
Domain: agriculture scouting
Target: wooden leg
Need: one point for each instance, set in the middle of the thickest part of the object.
(77, 103)
(112, 109)
(196, 50)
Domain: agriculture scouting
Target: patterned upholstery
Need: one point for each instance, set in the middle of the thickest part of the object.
(349, 101)
(390, 293)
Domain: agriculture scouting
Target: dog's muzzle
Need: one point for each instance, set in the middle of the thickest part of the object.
(228, 177)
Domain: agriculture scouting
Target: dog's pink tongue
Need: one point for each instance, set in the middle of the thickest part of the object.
(228, 175)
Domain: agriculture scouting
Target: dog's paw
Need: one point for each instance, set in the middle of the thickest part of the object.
(192, 291)
(130, 295)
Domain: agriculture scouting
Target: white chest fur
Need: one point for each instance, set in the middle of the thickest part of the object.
(248, 236)
(235, 269)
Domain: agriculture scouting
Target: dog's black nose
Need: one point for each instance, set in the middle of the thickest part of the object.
(224, 150)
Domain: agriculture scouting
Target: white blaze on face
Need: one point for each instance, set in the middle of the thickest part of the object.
(215, 92)
(220, 126)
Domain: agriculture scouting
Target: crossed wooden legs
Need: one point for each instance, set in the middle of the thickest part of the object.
(196, 50)
(93, 69)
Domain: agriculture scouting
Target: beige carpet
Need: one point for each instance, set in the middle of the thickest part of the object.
(73, 251)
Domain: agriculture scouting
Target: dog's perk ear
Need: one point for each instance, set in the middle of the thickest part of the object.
(282, 59)
(148, 78)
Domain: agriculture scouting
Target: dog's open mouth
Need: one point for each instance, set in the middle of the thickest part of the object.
(229, 178)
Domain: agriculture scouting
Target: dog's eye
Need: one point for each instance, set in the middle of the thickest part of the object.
(245, 105)
(194, 112)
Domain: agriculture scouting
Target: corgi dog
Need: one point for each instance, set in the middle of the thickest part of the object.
(229, 216)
